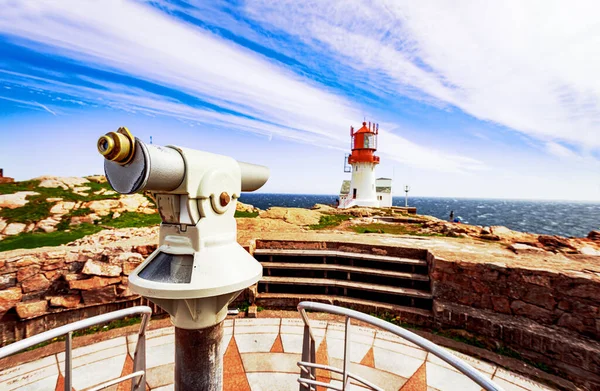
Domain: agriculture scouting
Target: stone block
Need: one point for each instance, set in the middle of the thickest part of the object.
(93, 283)
(105, 295)
(27, 271)
(540, 297)
(9, 298)
(68, 301)
(129, 267)
(8, 280)
(101, 269)
(585, 291)
(32, 309)
(37, 283)
(531, 311)
(26, 261)
(501, 304)
(571, 322)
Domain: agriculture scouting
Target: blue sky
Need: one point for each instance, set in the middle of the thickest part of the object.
(473, 99)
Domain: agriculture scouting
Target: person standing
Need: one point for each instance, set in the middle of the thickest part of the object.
(451, 216)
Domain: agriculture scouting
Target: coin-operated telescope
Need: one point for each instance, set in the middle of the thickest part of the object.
(199, 267)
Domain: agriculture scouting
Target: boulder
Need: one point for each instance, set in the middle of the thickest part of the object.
(93, 283)
(62, 208)
(14, 229)
(69, 301)
(133, 202)
(101, 269)
(102, 207)
(32, 309)
(296, 216)
(37, 283)
(48, 224)
(64, 183)
(555, 243)
(520, 248)
(104, 295)
(594, 235)
(89, 219)
(15, 200)
(97, 178)
(9, 298)
(241, 207)
(485, 231)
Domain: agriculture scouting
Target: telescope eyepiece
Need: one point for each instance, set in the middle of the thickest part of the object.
(118, 146)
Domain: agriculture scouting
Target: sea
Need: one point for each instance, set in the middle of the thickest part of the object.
(564, 218)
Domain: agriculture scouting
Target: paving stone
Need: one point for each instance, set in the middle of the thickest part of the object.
(443, 379)
(396, 363)
(520, 381)
(273, 381)
(292, 343)
(160, 376)
(475, 363)
(271, 362)
(255, 342)
(97, 372)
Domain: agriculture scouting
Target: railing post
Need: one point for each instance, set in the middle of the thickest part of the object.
(68, 361)
(306, 357)
(346, 353)
(139, 357)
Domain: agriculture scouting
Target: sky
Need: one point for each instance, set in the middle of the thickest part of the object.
(473, 99)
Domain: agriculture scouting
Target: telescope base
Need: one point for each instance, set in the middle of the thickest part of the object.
(198, 359)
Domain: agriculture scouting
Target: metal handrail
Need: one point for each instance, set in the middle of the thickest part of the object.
(308, 353)
(139, 360)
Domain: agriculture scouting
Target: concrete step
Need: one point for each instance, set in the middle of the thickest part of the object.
(344, 268)
(295, 298)
(339, 254)
(347, 284)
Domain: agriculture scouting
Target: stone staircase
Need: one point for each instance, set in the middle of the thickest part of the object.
(365, 281)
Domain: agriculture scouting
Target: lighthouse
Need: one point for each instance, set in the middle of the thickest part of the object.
(364, 189)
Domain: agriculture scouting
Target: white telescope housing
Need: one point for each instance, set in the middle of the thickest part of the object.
(199, 267)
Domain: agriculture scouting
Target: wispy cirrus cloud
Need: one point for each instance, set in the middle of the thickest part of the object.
(530, 66)
(141, 42)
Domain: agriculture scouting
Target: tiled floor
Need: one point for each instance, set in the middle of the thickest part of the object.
(261, 355)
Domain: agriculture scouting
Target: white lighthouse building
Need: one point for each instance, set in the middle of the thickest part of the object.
(364, 189)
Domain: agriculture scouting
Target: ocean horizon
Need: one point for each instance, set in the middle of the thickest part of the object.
(549, 217)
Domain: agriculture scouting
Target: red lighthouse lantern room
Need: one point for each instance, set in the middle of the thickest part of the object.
(364, 144)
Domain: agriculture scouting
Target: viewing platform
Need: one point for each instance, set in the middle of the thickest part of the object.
(260, 354)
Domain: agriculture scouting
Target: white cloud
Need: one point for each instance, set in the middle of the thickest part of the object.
(136, 40)
(559, 150)
(531, 66)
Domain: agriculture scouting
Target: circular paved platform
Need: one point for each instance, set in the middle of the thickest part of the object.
(261, 355)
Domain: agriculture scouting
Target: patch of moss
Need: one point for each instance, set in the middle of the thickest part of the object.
(328, 221)
(392, 229)
(132, 220)
(242, 214)
(42, 239)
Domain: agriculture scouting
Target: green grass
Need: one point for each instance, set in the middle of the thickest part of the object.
(239, 213)
(132, 220)
(41, 239)
(392, 229)
(328, 221)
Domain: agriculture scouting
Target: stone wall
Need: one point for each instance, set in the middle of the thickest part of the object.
(569, 302)
(53, 282)
(548, 318)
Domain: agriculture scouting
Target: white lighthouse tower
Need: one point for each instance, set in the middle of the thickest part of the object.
(362, 190)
